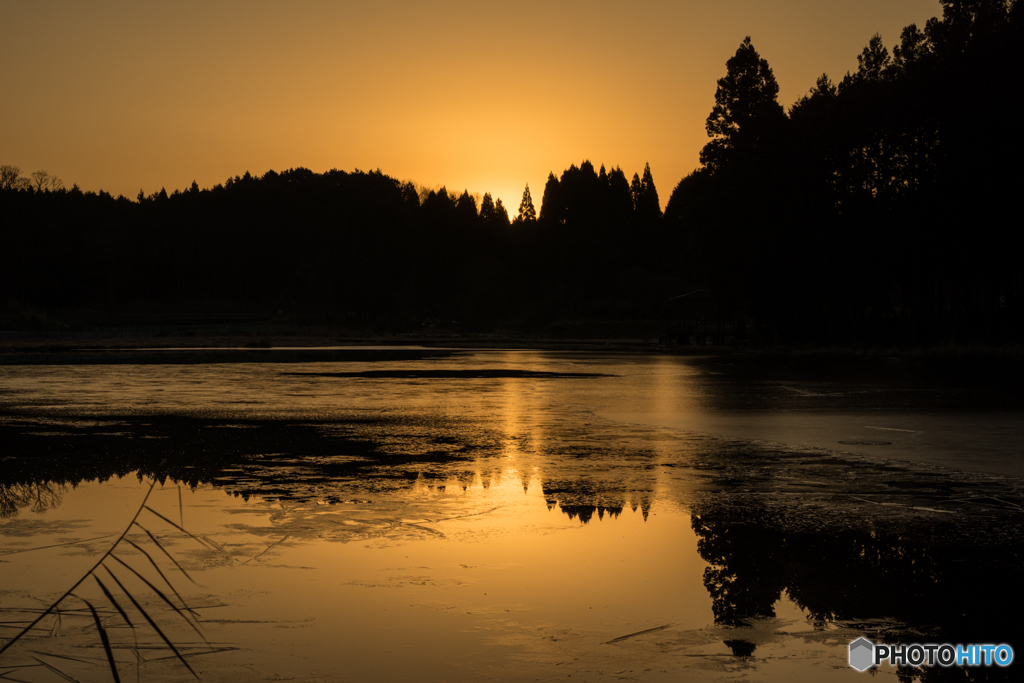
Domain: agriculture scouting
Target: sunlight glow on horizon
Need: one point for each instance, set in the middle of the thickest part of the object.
(122, 97)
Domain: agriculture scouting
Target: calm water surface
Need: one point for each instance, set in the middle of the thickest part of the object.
(514, 515)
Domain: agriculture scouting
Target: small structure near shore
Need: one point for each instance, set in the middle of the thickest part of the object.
(700, 318)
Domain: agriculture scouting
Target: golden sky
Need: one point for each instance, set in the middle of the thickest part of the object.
(469, 94)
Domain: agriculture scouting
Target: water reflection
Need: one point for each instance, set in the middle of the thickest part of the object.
(498, 515)
(898, 582)
(37, 496)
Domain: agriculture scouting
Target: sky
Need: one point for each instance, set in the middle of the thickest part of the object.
(477, 95)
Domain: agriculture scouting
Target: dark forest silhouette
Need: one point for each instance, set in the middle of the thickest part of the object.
(877, 210)
(880, 209)
(335, 247)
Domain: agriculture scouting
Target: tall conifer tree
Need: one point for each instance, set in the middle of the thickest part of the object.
(501, 214)
(527, 214)
(636, 192)
(488, 214)
(746, 111)
(552, 206)
(651, 203)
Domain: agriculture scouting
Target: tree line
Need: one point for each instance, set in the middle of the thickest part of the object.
(876, 209)
(879, 207)
(40, 181)
(329, 247)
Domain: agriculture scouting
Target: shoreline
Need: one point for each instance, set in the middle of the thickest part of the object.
(200, 348)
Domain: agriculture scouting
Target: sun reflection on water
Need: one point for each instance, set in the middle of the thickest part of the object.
(476, 565)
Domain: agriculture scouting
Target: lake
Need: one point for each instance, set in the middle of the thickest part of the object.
(464, 515)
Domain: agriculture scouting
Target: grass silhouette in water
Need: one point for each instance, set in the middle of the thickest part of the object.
(109, 574)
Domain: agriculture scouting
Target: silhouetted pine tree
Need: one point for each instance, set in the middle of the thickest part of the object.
(465, 211)
(552, 206)
(488, 213)
(636, 193)
(650, 205)
(527, 214)
(501, 215)
(620, 202)
(747, 113)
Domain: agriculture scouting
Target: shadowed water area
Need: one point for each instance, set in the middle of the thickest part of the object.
(506, 515)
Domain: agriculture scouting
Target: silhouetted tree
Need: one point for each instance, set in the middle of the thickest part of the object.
(966, 21)
(815, 118)
(619, 203)
(914, 47)
(501, 214)
(44, 182)
(636, 192)
(437, 210)
(873, 61)
(465, 210)
(10, 178)
(488, 213)
(650, 205)
(527, 214)
(552, 206)
(580, 195)
(746, 111)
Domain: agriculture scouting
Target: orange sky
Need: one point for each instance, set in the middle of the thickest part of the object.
(469, 94)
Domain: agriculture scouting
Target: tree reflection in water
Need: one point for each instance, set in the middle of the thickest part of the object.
(37, 496)
(912, 578)
(745, 578)
(909, 582)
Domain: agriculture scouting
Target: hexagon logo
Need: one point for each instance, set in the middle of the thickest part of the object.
(862, 654)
